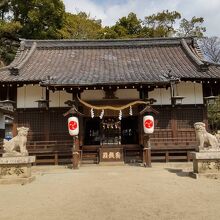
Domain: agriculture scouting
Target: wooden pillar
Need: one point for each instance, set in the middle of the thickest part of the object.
(205, 116)
(206, 92)
(167, 157)
(47, 120)
(140, 130)
(81, 138)
(147, 157)
(76, 139)
(15, 125)
(46, 116)
(56, 158)
(81, 131)
(143, 94)
(15, 121)
(188, 156)
(147, 152)
(174, 122)
(76, 155)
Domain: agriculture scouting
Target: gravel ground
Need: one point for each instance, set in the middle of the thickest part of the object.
(112, 192)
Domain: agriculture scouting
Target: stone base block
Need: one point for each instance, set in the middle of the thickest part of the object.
(206, 163)
(199, 175)
(16, 169)
(21, 181)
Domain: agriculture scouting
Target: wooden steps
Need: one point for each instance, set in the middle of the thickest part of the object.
(90, 155)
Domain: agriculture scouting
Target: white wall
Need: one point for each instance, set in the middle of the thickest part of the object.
(127, 94)
(191, 91)
(58, 98)
(162, 96)
(100, 94)
(27, 96)
(92, 94)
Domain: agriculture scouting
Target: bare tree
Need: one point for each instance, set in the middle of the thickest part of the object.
(211, 48)
(191, 27)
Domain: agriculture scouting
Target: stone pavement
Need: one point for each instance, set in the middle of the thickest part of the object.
(164, 191)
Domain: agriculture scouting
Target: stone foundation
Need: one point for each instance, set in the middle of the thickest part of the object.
(16, 169)
(206, 163)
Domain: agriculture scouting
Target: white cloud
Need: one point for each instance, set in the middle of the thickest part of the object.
(111, 12)
(88, 6)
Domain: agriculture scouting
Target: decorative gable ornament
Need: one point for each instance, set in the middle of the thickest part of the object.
(73, 126)
(148, 124)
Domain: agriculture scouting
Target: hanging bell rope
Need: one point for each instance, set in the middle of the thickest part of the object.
(112, 107)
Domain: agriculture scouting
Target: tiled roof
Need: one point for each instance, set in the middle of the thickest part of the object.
(96, 62)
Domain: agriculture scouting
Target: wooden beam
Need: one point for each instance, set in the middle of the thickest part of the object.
(174, 122)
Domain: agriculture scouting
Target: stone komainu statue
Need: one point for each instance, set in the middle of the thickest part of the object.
(206, 140)
(218, 136)
(17, 145)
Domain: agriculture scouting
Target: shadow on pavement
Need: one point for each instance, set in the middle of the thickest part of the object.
(178, 172)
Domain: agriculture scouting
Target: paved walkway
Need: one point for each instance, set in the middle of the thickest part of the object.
(112, 192)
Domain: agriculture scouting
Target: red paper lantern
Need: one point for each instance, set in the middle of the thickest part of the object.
(73, 126)
(148, 124)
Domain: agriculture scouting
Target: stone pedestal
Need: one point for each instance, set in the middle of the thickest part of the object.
(206, 163)
(16, 169)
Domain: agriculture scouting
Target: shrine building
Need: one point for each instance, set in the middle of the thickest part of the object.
(109, 85)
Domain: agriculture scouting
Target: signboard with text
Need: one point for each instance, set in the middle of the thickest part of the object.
(111, 154)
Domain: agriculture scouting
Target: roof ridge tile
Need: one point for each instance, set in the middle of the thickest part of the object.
(102, 43)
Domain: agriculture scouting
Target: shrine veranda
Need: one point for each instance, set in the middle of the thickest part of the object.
(51, 80)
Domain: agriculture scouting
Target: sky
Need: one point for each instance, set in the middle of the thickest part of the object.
(109, 11)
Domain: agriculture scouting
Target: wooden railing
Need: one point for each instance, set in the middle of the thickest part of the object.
(58, 145)
(162, 133)
(168, 133)
(168, 155)
(60, 152)
(49, 152)
(40, 136)
(174, 143)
